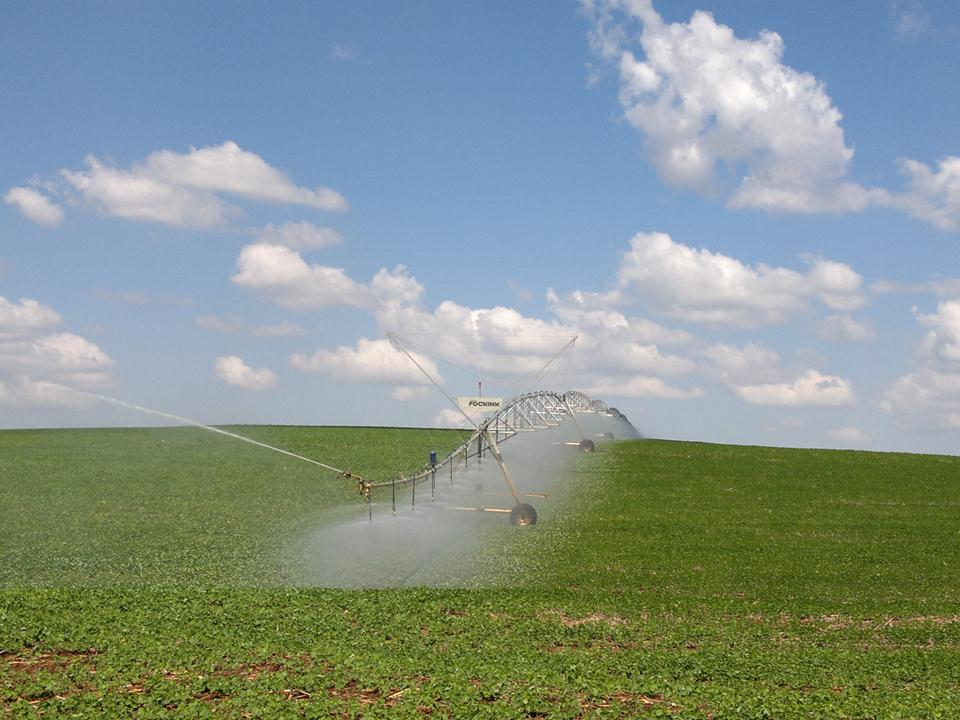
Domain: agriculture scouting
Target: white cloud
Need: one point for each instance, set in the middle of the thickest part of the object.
(138, 196)
(405, 393)
(280, 274)
(842, 329)
(69, 352)
(616, 355)
(236, 326)
(848, 435)
(754, 374)
(25, 318)
(705, 287)
(639, 386)
(23, 391)
(34, 206)
(723, 115)
(704, 99)
(301, 235)
(39, 365)
(943, 340)
(375, 361)
(613, 353)
(812, 389)
(61, 356)
(924, 400)
(230, 169)
(929, 398)
(450, 418)
(596, 313)
(932, 195)
(500, 341)
(184, 190)
(233, 371)
(396, 287)
(742, 365)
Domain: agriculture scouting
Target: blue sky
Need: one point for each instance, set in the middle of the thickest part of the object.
(748, 213)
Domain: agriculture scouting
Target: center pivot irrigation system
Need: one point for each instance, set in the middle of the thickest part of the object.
(529, 412)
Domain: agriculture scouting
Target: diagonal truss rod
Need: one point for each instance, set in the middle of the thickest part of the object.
(481, 430)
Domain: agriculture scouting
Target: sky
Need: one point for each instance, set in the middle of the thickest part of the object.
(747, 213)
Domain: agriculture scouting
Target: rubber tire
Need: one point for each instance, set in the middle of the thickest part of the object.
(587, 445)
(523, 515)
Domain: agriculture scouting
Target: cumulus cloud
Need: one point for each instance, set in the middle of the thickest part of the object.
(59, 356)
(843, 329)
(233, 371)
(228, 168)
(597, 313)
(182, 190)
(39, 363)
(281, 275)
(135, 195)
(404, 393)
(928, 399)
(235, 326)
(616, 354)
(812, 389)
(943, 340)
(376, 361)
(35, 206)
(742, 365)
(848, 435)
(721, 114)
(932, 195)
(640, 386)
(754, 374)
(706, 100)
(450, 418)
(299, 235)
(25, 317)
(23, 391)
(68, 352)
(705, 287)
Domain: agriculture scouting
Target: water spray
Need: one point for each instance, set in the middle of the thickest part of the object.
(194, 423)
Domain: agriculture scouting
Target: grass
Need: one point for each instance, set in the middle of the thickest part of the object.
(667, 579)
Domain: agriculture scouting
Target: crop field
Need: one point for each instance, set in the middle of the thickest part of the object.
(148, 573)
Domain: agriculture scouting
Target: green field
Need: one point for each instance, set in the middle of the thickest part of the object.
(142, 574)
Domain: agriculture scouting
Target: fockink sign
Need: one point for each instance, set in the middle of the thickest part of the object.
(480, 405)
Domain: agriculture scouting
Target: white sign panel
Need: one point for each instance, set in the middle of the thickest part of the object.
(475, 405)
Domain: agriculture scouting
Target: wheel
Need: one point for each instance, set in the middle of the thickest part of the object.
(523, 514)
(587, 445)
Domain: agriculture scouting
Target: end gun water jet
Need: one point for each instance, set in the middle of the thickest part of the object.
(194, 423)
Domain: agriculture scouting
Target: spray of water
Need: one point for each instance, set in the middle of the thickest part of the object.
(194, 423)
(443, 539)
